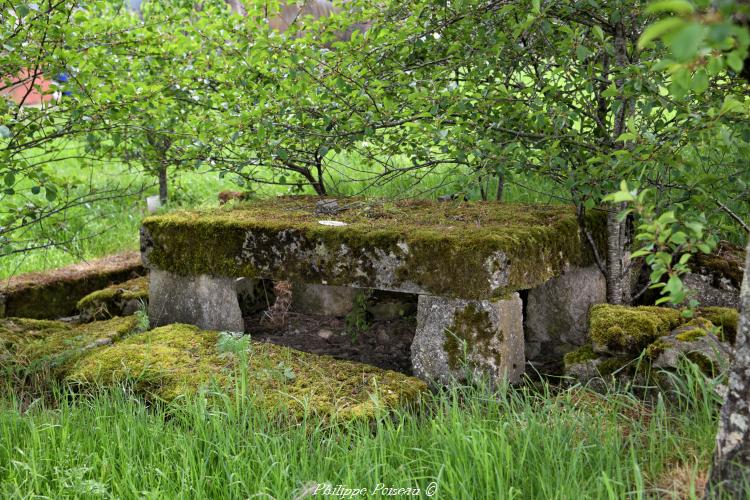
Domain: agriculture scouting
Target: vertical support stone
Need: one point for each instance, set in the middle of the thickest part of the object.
(457, 337)
(207, 302)
(556, 315)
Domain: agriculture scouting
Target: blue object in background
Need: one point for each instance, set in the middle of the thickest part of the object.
(62, 78)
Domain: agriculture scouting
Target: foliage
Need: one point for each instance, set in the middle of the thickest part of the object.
(668, 241)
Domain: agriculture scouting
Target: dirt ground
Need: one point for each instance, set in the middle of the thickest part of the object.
(385, 344)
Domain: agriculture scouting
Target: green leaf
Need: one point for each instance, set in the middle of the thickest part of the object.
(10, 179)
(676, 6)
(686, 42)
(734, 61)
(659, 29)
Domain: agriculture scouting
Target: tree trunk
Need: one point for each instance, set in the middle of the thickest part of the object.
(163, 184)
(615, 252)
(500, 187)
(730, 473)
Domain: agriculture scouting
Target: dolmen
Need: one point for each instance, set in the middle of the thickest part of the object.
(469, 263)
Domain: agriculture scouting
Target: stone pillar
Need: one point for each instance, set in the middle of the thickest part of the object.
(456, 337)
(207, 302)
(556, 316)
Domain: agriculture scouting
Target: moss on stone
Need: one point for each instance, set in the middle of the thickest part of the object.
(654, 350)
(177, 360)
(611, 365)
(113, 300)
(28, 345)
(471, 330)
(630, 329)
(580, 355)
(523, 245)
(54, 294)
(724, 317)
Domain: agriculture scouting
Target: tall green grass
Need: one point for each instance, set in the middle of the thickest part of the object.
(465, 442)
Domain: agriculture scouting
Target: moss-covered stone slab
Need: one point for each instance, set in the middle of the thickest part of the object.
(475, 250)
(55, 294)
(30, 345)
(176, 360)
(122, 299)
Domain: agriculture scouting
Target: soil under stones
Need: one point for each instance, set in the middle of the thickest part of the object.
(385, 344)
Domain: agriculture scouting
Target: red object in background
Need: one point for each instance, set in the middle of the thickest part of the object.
(24, 91)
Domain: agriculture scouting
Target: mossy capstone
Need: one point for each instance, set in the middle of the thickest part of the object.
(477, 250)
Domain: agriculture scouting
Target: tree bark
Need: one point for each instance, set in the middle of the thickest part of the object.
(730, 473)
(163, 184)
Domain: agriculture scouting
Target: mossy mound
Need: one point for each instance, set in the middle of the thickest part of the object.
(629, 329)
(483, 249)
(176, 360)
(55, 293)
(726, 318)
(122, 299)
(32, 346)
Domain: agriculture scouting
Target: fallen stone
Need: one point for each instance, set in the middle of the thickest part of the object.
(122, 299)
(178, 360)
(457, 339)
(696, 342)
(55, 293)
(51, 347)
(618, 330)
(556, 316)
(322, 300)
(205, 301)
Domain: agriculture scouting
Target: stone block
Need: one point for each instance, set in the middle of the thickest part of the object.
(207, 302)
(457, 337)
(323, 300)
(556, 315)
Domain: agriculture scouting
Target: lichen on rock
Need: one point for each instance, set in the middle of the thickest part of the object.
(485, 249)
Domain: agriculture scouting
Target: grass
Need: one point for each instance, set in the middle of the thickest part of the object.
(467, 442)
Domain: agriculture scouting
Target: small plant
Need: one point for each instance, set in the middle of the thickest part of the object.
(233, 344)
(277, 313)
(356, 321)
(144, 323)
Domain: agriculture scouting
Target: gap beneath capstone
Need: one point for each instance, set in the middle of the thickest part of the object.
(382, 337)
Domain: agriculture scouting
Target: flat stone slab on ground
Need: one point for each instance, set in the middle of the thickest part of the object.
(475, 250)
(121, 299)
(55, 293)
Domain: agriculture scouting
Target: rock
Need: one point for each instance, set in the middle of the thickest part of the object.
(205, 301)
(712, 290)
(55, 293)
(328, 207)
(325, 333)
(597, 371)
(556, 315)
(694, 341)
(457, 337)
(323, 300)
(122, 299)
(618, 330)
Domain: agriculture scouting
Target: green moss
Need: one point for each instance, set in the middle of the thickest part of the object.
(471, 330)
(54, 294)
(282, 239)
(177, 360)
(727, 261)
(113, 300)
(29, 345)
(726, 318)
(630, 329)
(580, 355)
